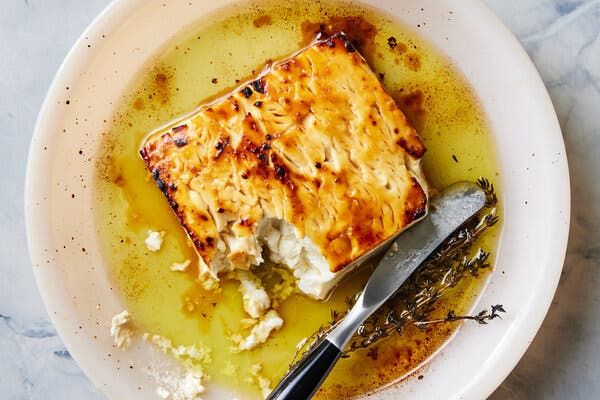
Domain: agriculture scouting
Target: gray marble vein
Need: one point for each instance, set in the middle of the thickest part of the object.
(561, 36)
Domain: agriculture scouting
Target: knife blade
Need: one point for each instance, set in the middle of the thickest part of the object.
(448, 211)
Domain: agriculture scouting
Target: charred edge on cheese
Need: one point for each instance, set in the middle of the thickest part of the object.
(220, 146)
(247, 92)
(159, 182)
(323, 39)
(416, 203)
(179, 135)
(412, 149)
(259, 85)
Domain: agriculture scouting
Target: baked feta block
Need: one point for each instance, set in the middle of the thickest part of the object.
(311, 165)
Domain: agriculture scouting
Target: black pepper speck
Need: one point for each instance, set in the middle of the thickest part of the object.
(392, 42)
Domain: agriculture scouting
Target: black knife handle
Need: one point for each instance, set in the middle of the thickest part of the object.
(306, 377)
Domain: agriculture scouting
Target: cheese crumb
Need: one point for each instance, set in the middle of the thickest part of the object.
(230, 370)
(208, 279)
(187, 387)
(257, 378)
(121, 329)
(260, 332)
(246, 323)
(154, 240)
(255, 298)
(162, 392)
(163, 343)
(180, 266)
(195, 352)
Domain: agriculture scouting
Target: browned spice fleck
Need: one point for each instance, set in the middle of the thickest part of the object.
(373, 353)
(263, 20)
(162, 85)
(138, 104)
(412, 61)
(401, 48)
(395, 45)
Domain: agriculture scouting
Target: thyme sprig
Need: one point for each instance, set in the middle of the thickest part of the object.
(416, 300)
(481, 317)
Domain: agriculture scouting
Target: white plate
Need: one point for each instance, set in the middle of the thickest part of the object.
(66, 254)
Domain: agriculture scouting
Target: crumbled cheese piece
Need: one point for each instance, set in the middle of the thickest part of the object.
(196, 352)
(154, 240)
(162, 392)
(210, 284)
(163, 343)
(255, 297)
(260, 332)
(255, 369)
(230, 369)
(265, 386)
(180, 266)
(247, 322)
(187, 387)
(121, 329)
(208, 279)
(257, 378)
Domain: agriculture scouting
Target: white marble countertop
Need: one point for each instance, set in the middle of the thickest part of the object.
(561, 36)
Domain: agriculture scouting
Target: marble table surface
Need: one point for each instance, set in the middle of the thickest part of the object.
(561, 36)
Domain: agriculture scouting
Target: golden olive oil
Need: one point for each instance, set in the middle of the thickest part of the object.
(212, 59)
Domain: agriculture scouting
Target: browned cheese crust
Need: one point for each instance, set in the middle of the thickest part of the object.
(315, 140)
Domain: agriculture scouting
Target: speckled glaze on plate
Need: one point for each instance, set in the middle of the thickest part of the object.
(66, 254)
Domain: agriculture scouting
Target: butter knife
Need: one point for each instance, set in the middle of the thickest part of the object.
(448, 211)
